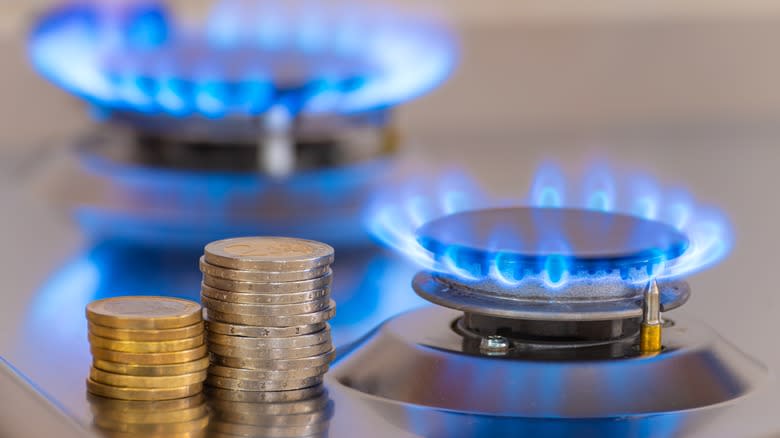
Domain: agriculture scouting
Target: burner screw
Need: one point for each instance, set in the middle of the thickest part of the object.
(494, 345)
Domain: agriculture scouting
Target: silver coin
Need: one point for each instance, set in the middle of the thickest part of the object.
(219, 429)
(273, 321)
(271, 353)
(261, 276)
(259, 397)
(245, 298)
(305, 406)
(275, 254)
(282, 287)
(262, 385)
(254, 343)
(263, 332)
(265, 309)
(258, 419)
(273, 364)
(274, 375)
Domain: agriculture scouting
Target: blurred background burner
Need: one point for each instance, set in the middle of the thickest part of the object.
(244, 121)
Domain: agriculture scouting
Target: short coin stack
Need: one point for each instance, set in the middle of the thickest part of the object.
(267, 303)
(146, 348)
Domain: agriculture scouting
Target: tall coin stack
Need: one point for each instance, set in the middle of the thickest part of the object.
(267, 302)
(146, 348)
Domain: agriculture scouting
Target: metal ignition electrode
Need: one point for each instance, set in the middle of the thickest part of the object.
(650, 332)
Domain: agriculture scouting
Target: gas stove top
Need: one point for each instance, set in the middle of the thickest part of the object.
(465, 253)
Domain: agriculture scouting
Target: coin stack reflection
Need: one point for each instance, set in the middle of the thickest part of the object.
(267, 303)
(183, 417)
(236, 414)
(146, 348)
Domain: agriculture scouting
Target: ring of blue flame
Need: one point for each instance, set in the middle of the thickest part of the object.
(396, 215)
(73, 45)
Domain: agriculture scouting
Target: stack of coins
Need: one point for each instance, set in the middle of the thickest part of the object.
(267, 303)
(146, 348)
(298, 413)
(182, 417)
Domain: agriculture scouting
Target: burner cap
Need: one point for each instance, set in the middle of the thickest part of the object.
(525, 238)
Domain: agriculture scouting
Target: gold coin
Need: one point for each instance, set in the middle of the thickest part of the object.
(149, 358)
(145, 428)
(99, 403)
(123, 381)
(142, 393)
(267, 253)
(141, 312)
(152, 370)
(146, 335)
(146, 346)
(153, 416)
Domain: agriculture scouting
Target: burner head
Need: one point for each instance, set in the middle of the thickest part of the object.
(523, 239)
(549, 245)
(549, 264)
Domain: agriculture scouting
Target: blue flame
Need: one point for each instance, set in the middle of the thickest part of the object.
(245, 58)
(395, 217)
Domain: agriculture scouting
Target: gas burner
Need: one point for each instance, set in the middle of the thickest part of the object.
(245, 58)
(605, 255)
(278, 76)
(549, 312)
(254, 120)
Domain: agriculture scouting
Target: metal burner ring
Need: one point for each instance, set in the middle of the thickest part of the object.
(459, 297)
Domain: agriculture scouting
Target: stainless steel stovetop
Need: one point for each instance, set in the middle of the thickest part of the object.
(50, 270)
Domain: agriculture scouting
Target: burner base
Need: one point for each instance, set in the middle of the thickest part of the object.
(414, 359)
(565, 305)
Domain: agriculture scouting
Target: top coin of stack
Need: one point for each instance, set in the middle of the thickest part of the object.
(267, 303)
(146, 348)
